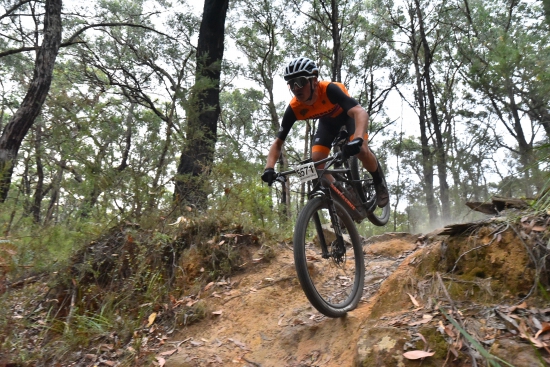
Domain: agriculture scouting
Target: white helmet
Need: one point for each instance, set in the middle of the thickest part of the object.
(301, 66)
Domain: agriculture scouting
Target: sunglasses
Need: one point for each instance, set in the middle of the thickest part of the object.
(298, 82)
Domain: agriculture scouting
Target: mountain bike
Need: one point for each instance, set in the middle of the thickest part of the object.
(328, 253)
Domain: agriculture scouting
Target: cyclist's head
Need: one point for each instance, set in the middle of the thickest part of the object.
(299, 70)
(300, 66)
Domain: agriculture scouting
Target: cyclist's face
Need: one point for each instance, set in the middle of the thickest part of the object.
(301, 88)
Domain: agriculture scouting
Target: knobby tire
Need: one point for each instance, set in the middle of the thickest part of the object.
(380, 216)
(332, 287)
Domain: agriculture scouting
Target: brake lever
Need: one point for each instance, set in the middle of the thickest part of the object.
(281, 179)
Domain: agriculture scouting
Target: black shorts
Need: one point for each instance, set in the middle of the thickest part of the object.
(329, 128)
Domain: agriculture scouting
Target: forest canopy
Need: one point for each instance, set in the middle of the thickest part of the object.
(457, 92)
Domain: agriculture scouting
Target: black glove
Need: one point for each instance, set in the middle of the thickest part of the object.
(352, 148)
(269, 176)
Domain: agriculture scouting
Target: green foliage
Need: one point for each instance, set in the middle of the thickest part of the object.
(42, 249)
(106, 289)
(239, 192)
(243, 130)
(509, 68)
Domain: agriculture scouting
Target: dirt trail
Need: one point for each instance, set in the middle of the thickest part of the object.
(262, 317)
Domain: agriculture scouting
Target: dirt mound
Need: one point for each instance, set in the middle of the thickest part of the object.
(469, 294)
(435, 298)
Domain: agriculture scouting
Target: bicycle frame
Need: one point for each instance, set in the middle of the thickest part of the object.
(323, 188)
(358, 211)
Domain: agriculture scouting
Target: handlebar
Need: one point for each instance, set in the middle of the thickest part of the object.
(336, 158)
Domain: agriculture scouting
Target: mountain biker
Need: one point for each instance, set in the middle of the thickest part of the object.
(331, 103)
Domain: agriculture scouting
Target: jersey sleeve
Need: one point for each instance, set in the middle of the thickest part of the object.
(337, 96)
(289, 118)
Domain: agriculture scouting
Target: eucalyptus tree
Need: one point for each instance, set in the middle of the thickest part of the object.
(329, 33)
(117, 69)
(375, 72)
(35, 26)
(150, 69)
(78, 148)
(431, 35)
(45, 40)
(203, 108)
(470, 148)
(508, 48)
(259, 35)
(408, 45)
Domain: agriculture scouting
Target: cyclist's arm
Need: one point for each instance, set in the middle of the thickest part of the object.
(289, 118)
(361, 118)
(351, 107)
(274, 153)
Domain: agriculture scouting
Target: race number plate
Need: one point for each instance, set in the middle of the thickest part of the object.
(306, 172)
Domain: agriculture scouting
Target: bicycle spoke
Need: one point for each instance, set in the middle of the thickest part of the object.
(332, 275)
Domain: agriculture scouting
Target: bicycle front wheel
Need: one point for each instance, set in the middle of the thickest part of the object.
(331, 275)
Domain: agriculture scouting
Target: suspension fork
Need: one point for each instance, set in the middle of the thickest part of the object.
(341, 248)
(321, 234)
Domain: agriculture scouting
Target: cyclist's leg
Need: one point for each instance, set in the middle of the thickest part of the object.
(366, 156)
(325, 134)
(371, 164)
(319, 152)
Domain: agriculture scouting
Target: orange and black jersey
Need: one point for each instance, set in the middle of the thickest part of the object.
(331, 107)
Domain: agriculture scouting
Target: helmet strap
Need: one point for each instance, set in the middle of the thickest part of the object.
(311, 93)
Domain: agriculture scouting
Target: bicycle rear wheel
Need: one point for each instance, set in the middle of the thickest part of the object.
(365, 188)
(333, 282)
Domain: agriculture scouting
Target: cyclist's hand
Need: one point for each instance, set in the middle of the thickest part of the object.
(352, 148)
(269, 176)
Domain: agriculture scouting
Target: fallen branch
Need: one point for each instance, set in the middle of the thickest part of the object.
(251, 362)
(22, 282)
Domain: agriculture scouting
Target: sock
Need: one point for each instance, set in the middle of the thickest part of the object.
(376, 177)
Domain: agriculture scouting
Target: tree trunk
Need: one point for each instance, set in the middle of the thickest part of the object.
(427, 159)
(440, 154)
(539, 112)
(39, 189)
(56, 185)
(546, 4)
(336, 44)
(524, 147)
(24, 117)
(203, 109)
